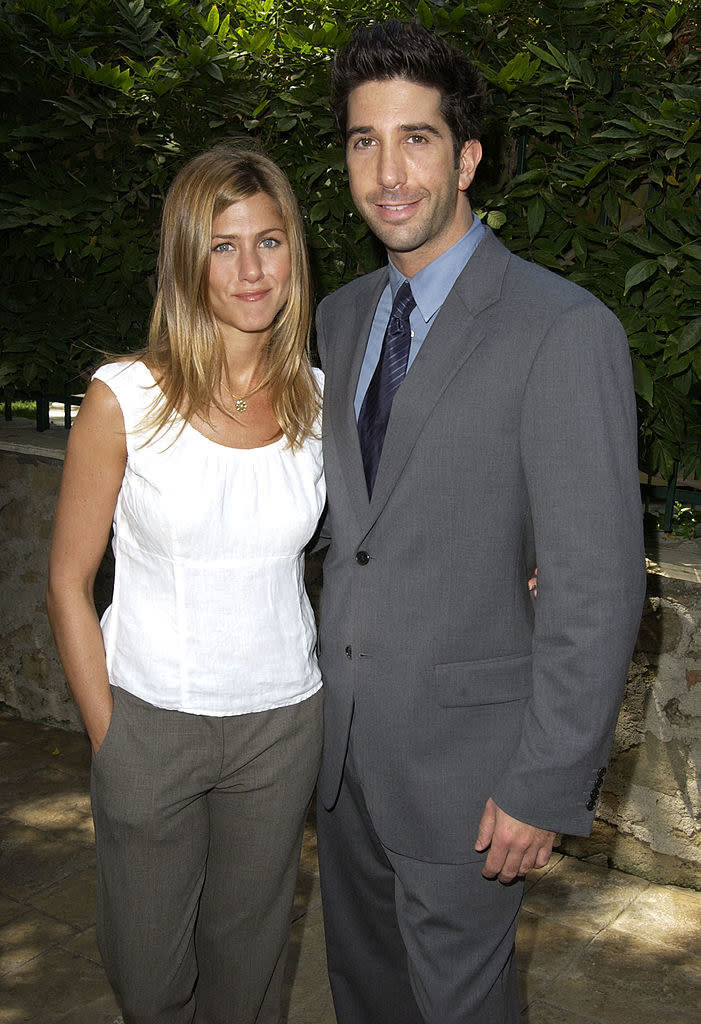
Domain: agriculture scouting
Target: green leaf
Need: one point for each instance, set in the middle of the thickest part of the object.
(574, 66)
(588, 75)
(691, 131)
(671, 17)
(665, 223)
(496, 219)
(690, 336)
(213, 20)
(319, 211)
(515, 69)
(594, 171)
(536, 216)
(645, 343)
(559, 57)
(638, 241)
(604, 81)
(644, 385)
(261, 40)
(535, 175)
(669, 262)
(423, 13)
(488, 7)
(544, 55)
(611, 207)
(215, 71)
(638, 273)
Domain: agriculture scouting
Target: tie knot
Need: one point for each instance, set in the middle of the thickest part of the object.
(403, 303)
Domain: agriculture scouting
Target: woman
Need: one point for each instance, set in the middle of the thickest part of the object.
(200, 690)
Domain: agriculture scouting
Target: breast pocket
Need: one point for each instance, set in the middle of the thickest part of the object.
(480, 683)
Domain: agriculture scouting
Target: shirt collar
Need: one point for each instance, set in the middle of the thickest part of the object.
(431, 285)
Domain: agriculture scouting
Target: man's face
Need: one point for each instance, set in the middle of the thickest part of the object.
(403, 175)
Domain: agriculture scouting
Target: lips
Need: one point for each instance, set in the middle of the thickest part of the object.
(252, 296)
(396, 206)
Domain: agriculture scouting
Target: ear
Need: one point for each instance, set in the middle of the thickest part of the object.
(470, 156)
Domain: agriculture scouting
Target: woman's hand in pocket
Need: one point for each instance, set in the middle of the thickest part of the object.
(100, 723)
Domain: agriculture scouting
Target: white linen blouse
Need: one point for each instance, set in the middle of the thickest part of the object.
(209, 613)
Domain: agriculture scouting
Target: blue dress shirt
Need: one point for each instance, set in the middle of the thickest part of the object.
(430, 289)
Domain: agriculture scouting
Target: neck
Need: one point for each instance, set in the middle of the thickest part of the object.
(243, 364)
(410, 263)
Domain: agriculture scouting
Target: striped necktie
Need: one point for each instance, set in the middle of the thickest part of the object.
(389, 374)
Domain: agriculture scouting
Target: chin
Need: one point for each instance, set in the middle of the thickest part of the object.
(398, 241)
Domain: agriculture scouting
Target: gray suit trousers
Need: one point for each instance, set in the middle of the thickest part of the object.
(198, 827)
(409, 941)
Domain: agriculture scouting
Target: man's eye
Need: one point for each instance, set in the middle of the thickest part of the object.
(364, 143)
(416, 138)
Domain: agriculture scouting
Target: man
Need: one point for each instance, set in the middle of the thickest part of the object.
(466, 722)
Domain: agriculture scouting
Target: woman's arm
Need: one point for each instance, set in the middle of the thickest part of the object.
(92, 476)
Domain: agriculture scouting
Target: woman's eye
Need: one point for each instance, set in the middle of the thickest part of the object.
(223, 247)
(270, 243)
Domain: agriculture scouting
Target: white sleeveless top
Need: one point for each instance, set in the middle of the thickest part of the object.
(209, 613)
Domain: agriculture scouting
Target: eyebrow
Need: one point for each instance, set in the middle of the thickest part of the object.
(429, 129)
(265, 231)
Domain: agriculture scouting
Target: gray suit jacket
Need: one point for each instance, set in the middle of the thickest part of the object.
(511, 443)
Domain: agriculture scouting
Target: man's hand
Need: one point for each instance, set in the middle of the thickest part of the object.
(515, 846)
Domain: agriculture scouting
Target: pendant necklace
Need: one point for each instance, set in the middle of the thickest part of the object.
(240, 404)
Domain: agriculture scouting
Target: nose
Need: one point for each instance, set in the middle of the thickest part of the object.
(391, 169)
(250, 265)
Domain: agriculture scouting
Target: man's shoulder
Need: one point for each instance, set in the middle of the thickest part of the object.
(349, 294)
(547, 287)
(530, 295)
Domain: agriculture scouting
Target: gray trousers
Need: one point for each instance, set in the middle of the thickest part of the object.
(411, 942)
(198, 828)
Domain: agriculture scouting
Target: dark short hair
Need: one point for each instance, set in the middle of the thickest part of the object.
(396, 49)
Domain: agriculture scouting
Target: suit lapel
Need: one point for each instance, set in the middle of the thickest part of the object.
(348, 352)
(454, 335)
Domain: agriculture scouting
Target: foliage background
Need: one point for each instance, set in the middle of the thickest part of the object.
(593, 143)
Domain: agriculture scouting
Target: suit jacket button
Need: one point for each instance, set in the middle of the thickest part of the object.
(349, 651)
(362, 558)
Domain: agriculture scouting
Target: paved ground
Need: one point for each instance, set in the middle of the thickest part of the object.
(595, 946)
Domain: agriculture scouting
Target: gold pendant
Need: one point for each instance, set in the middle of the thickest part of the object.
(241, 405)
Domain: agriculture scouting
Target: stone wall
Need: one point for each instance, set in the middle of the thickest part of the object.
(31, 680)
(649, 815)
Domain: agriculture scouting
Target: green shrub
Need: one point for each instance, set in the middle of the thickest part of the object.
(592, 163)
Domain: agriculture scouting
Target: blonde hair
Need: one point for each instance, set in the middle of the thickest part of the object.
(185, 351)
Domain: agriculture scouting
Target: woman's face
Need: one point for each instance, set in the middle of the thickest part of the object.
(249, 267)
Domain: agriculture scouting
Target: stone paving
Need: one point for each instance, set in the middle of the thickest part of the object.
(595, 946)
